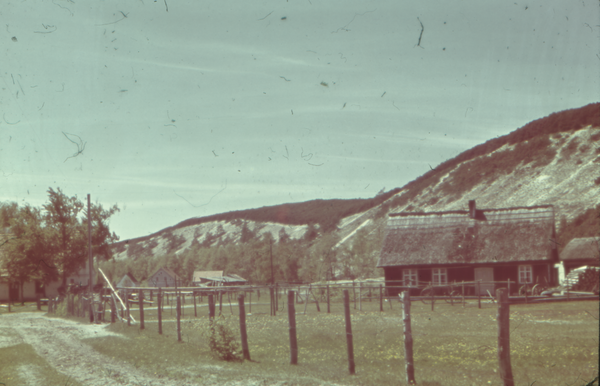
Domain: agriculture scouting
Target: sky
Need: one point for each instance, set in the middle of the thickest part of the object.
(180, 109)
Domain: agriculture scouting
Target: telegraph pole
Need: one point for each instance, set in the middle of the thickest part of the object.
(90, 259)
(271, 251)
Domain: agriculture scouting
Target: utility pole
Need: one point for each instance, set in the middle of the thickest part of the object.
(90, 259)
(271, 251)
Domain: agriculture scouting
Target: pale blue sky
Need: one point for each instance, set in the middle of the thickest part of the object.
(216, 106)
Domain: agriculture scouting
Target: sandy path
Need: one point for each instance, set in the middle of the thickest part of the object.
(59, 342)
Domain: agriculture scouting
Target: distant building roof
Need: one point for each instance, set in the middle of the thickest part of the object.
(582, 248)
(128, 281)
(169, 272)
(198, 275)
(475, 236)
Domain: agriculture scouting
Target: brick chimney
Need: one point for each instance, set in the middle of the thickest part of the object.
(472, 209)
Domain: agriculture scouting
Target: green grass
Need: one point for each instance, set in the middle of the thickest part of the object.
(551, 344)
(20, 365)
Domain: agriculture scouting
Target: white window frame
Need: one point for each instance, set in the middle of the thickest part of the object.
(439, 276)
(410, 277)
(525, 274)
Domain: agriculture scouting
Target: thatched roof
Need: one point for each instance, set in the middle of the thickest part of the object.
(582, 248)
(492, 236)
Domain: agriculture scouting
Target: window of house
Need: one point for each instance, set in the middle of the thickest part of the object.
(525, 274)
(440, 276)
(410, 277)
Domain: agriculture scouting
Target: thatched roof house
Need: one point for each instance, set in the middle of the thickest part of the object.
(488, 245)
(579, 252)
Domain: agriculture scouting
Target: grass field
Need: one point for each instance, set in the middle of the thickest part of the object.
(551, 344)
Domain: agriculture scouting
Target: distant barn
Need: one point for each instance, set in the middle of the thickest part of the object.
(487, 245)
(164, 277)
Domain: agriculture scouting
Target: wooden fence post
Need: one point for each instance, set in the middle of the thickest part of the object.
(243, 333)
(408, 340)
(351, 366)
(128, 310)
(276, 298)
(250, 302)
(463, 294)
(159, 299)
(380, 298)
(220, 302)
(328, 305)
(141, 307)
(113, 309)
(195, 312)
(479, 293)
(292, 323)
(432, 296)
(307, 299)
(504, 337)
(211, 306)
(360, 296)
(354, 293)
(316, 301)
(273, 301)
(178, 318)
(91, 308)
(38, 302)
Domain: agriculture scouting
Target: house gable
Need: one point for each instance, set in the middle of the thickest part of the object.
(127, 281)
(164, 277)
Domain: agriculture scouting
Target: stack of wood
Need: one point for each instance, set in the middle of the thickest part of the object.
(589, 281)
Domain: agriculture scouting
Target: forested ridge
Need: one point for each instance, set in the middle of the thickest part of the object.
(55, 234)
(313, 257)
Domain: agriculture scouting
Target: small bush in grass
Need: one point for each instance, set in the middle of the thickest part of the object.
(222, 342)
(61, 308)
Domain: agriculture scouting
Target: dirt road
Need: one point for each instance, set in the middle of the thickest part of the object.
(58, 341)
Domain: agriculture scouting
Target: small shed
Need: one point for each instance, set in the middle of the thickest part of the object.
(165, 277)
(204, 277)
(488, 245)
(216, 278)
(233, 279)
(128, 281)
(580, 252)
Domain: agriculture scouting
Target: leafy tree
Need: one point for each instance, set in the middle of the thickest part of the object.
(68, 232)
(26, 258)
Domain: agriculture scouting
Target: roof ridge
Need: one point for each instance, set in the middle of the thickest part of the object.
(404, 214)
